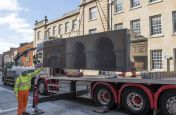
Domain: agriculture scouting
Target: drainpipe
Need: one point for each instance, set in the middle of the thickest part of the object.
(110, 13)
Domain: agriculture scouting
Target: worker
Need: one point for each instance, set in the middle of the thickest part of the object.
(22, 86)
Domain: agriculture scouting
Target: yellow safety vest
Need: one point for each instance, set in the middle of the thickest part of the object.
(24, 82)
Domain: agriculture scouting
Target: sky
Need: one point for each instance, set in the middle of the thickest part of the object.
(17, 18)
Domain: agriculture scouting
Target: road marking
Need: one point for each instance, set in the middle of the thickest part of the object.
(11, 109)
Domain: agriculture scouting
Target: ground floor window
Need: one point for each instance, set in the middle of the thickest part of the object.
(156, 56)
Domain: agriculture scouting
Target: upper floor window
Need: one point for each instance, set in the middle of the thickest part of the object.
(92, 31)
(118, 5)
(156, 27)
(38, 35)
(60, 29)
(49, 32)
(74, 25)
(154, 0)
(118, 26)
(174, 21)
(135, 26)
(135, 3)
(28, 59)
(67, 27)
(92, 13)
(54, 30)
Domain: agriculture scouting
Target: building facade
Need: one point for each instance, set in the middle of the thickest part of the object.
(1, 62)
(25, 60)
(154, 21)
(8, 57)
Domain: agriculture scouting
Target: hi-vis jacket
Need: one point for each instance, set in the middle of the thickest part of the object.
(23, 83)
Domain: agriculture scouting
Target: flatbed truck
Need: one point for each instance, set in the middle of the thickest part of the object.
(108, 51)
(136, 95)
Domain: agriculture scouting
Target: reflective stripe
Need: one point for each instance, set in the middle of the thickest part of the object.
(23, 84)
(28, 83)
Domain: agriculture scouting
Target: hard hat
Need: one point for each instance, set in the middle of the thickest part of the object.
(24, 73)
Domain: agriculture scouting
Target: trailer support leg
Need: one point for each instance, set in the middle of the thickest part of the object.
(73, 88)
(35, 109)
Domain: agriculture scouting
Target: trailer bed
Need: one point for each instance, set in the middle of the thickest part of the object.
(170, 81)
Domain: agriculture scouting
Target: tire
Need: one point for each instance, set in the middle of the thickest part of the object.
(168, 100)
(135, 101)
(42, 87)
(4, 81)
(98, 98)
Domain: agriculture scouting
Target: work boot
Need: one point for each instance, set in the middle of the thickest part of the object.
(25, 113)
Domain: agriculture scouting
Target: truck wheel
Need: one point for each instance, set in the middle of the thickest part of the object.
(135, 101)
(167, 103)
(42, 87)
(4, 82)
(103, 96)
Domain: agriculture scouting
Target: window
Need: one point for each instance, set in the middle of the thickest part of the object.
(49, 32)
(74, 25)
(92, 31)
(67, 27)
(156, 59)
(118, 26)
(174, 21)
(135, 26)
(135, 3)
(92, 13)
(118, 6)
(54, 30)
(154, 0)
(60, 29)
(28, 59)
(39, 35)
(156, 27)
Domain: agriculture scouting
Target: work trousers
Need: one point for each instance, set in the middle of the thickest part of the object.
(22, 101)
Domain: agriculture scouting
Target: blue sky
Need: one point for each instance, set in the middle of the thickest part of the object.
(17, 18)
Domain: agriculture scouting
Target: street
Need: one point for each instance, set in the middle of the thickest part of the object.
(8, 105)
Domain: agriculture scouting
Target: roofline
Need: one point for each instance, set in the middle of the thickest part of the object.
(57, 20)
(88, 2)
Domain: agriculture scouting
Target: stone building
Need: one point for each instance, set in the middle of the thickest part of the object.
(154, 21)
(8, 57)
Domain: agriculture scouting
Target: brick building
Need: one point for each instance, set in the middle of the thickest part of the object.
(26, 61)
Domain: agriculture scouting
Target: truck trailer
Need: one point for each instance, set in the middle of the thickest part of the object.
(107, 56)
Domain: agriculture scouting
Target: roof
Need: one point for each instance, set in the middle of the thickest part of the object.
(66, 15)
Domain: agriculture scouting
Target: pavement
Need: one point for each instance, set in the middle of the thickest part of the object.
(8, 105)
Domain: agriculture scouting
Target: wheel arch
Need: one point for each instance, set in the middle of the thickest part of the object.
(110, 86)
(160, 91)
(42, 78)
(140, 86)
